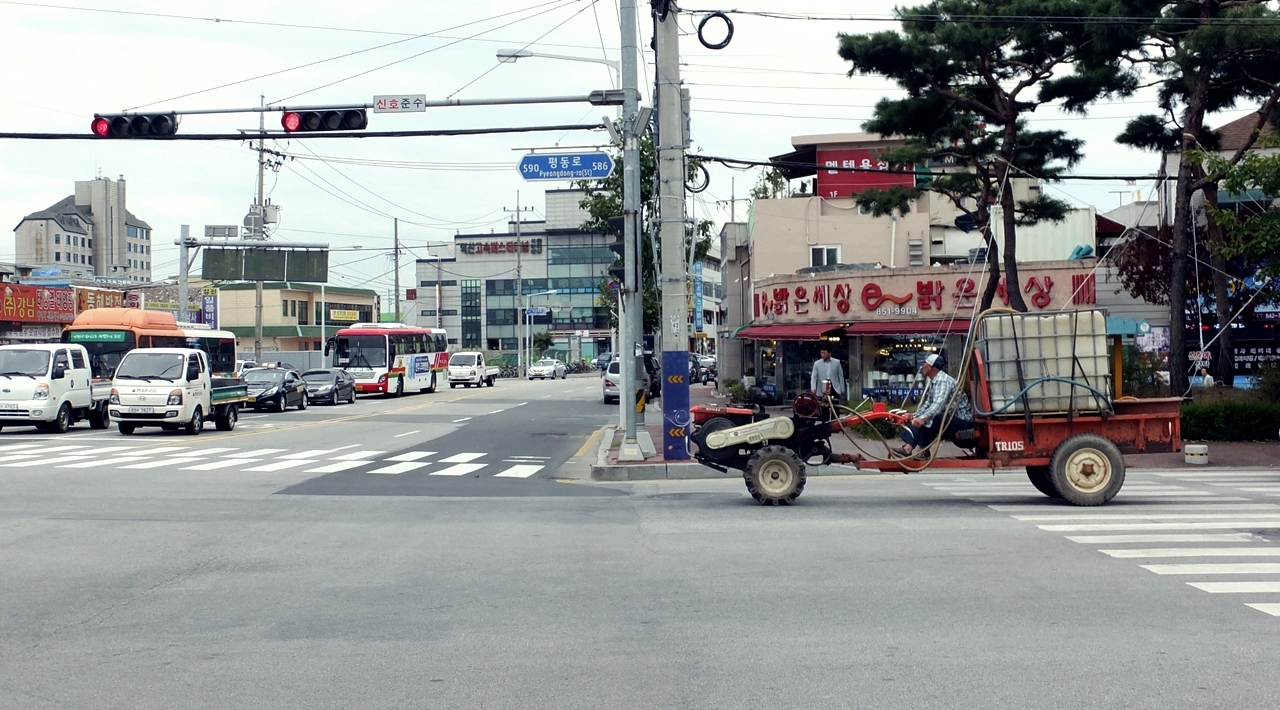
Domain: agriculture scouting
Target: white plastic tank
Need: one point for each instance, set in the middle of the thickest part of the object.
(1021, 348)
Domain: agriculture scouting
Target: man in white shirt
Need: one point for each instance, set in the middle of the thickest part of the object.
(827, 369)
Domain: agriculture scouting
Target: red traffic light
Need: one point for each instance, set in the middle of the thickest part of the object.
(331, 120)
(162, 125)
(100, 126)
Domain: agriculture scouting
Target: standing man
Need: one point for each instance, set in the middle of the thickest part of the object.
(827, 369)
(926, 425)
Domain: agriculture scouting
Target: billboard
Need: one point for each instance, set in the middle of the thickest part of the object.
(90, 298)
(36, 304)
(265, 264)
(844, 183)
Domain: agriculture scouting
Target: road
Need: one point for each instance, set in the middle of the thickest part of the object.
(264, 582)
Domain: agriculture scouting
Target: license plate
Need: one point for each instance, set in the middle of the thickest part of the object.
(141, 410)
(8, 405)
(252, 400)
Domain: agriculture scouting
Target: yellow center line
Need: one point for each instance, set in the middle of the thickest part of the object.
(587, 446)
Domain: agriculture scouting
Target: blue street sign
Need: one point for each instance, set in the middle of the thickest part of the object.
(536, 311)
(697, 296)
(574, 166)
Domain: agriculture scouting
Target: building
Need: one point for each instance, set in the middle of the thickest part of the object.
(292, 313)
(476, 284)
(87, 234)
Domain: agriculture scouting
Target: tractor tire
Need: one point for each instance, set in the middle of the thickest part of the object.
(713, 425)
(1087, 470)
(1040, 478)
(775, 475)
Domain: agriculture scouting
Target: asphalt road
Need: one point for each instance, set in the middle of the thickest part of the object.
(224, 587)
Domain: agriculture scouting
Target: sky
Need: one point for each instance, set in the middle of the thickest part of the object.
(67, 60)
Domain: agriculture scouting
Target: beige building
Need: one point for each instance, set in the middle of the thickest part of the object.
(291, 313)
(89, 233)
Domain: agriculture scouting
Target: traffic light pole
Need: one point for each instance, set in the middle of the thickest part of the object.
(671, 178)
(631, 319)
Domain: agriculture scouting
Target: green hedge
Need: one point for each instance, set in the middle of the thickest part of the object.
(1231, 420)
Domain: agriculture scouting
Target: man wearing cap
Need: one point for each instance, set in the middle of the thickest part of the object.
(827, 369)
(928, 419)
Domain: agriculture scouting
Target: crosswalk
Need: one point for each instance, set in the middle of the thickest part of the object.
(1184, 525)
(345, 459)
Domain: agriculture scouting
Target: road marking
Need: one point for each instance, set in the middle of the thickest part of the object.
(41, 461)
(176, 461)
(522, 471)
(402, 467)
(531, 458)
(1257, 522)
(455, 421)
(1260, 489)
(96, 463)
(586, 445)
(461, 469)
(312, 453)
(407, 433)
(255, 453)
(412, 456)
(1138, 516)
(282, 465)
(546, 396)
(336, 467)
(1119, 539)
(1272, 609)
(1023, 508)
(519, 405)
(357, 455)
(461, 458)
(1195, 552)
(1220, 568)
(14, 447)
(1237, 587)
(496, 411)
(170, 450)
(220, 463)
(52, 449)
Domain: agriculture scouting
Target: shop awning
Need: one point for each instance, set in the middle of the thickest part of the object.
(787, 331)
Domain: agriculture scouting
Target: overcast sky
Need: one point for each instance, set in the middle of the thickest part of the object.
(778, 78)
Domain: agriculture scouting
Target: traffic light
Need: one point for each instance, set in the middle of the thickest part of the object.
(331, 120)
(135, 125)
(618, 246)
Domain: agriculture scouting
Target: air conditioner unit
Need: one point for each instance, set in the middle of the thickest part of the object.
(917, 262)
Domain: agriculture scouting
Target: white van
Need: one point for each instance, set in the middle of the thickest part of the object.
(50, 387)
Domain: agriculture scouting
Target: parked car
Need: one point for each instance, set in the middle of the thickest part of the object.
(547, 367)
(50, 387)
(602, 360)
(612, 378)
(468, 368)
(707, 361)
(330, 385)
(276, 388)
(243, 365)
(172, 388)
(695, 369)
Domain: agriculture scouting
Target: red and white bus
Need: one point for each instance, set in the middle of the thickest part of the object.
(391, 358)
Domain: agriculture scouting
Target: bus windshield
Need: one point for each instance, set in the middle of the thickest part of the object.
(106, 348)
(362, 351)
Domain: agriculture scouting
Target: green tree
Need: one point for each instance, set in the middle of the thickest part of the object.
(543, 340)
(603, 200)
(972, 70)
(1209, 55)
(1253, 235)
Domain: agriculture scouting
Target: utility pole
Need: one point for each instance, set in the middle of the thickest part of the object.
(396, 259)
(260, 226)
(671, 177)
(439, 294)
(184, 264)
(519, 287)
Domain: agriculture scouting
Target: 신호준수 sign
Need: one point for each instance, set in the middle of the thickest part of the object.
(576, 166)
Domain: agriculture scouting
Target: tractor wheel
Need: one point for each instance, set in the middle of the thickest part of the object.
(1087, 470)
(775, 475)
(700, 439)
(1040, 478)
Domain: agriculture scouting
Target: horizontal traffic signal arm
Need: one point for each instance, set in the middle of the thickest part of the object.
(324, 120)
(134, 125)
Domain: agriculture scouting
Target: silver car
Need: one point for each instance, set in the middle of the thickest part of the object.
(547, 368)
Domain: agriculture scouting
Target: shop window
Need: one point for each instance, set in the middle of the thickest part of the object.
(824, 256)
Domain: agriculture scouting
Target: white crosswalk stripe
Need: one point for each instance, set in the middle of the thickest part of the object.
(176, 461)
(282, 465)
(402, 467)
(1178, 513)
(519, 471)
(357, 455)
(460, 469)
(412, 456)
(339, 467)
(461, 458)
(219, 464)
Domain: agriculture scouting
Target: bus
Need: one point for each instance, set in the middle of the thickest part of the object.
(109, 333)
(391, 357)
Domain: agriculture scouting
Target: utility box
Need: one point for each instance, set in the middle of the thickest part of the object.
(1020, 349)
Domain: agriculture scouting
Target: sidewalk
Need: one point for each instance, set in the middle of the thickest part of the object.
(1225, 454)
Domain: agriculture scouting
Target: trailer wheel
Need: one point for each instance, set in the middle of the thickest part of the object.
(1087, 470)
(227, 420)
(775, 475)
(1040, 478)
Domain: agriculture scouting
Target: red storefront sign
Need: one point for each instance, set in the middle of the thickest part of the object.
(916, 296)
(36, 304)
(871, 172)
(90, 298)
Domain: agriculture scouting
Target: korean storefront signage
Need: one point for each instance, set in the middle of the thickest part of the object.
(869, 170)
(524, 246)
(90, 298)
(917, 294)
(344, 316)
(36, 304)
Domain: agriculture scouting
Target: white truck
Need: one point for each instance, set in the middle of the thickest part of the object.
(173, 388)
(468, 368)
(50, 387)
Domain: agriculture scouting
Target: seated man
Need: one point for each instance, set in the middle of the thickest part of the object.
(927, 422)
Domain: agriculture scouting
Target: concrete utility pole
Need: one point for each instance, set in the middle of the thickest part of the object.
(396, 259)
(671, 177)
(519, 286)
(261, 227)
(184, 265)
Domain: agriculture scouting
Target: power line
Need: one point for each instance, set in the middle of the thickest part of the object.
(1182, 22)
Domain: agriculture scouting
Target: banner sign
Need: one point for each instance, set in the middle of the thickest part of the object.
(37, 304)
(90, 298)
